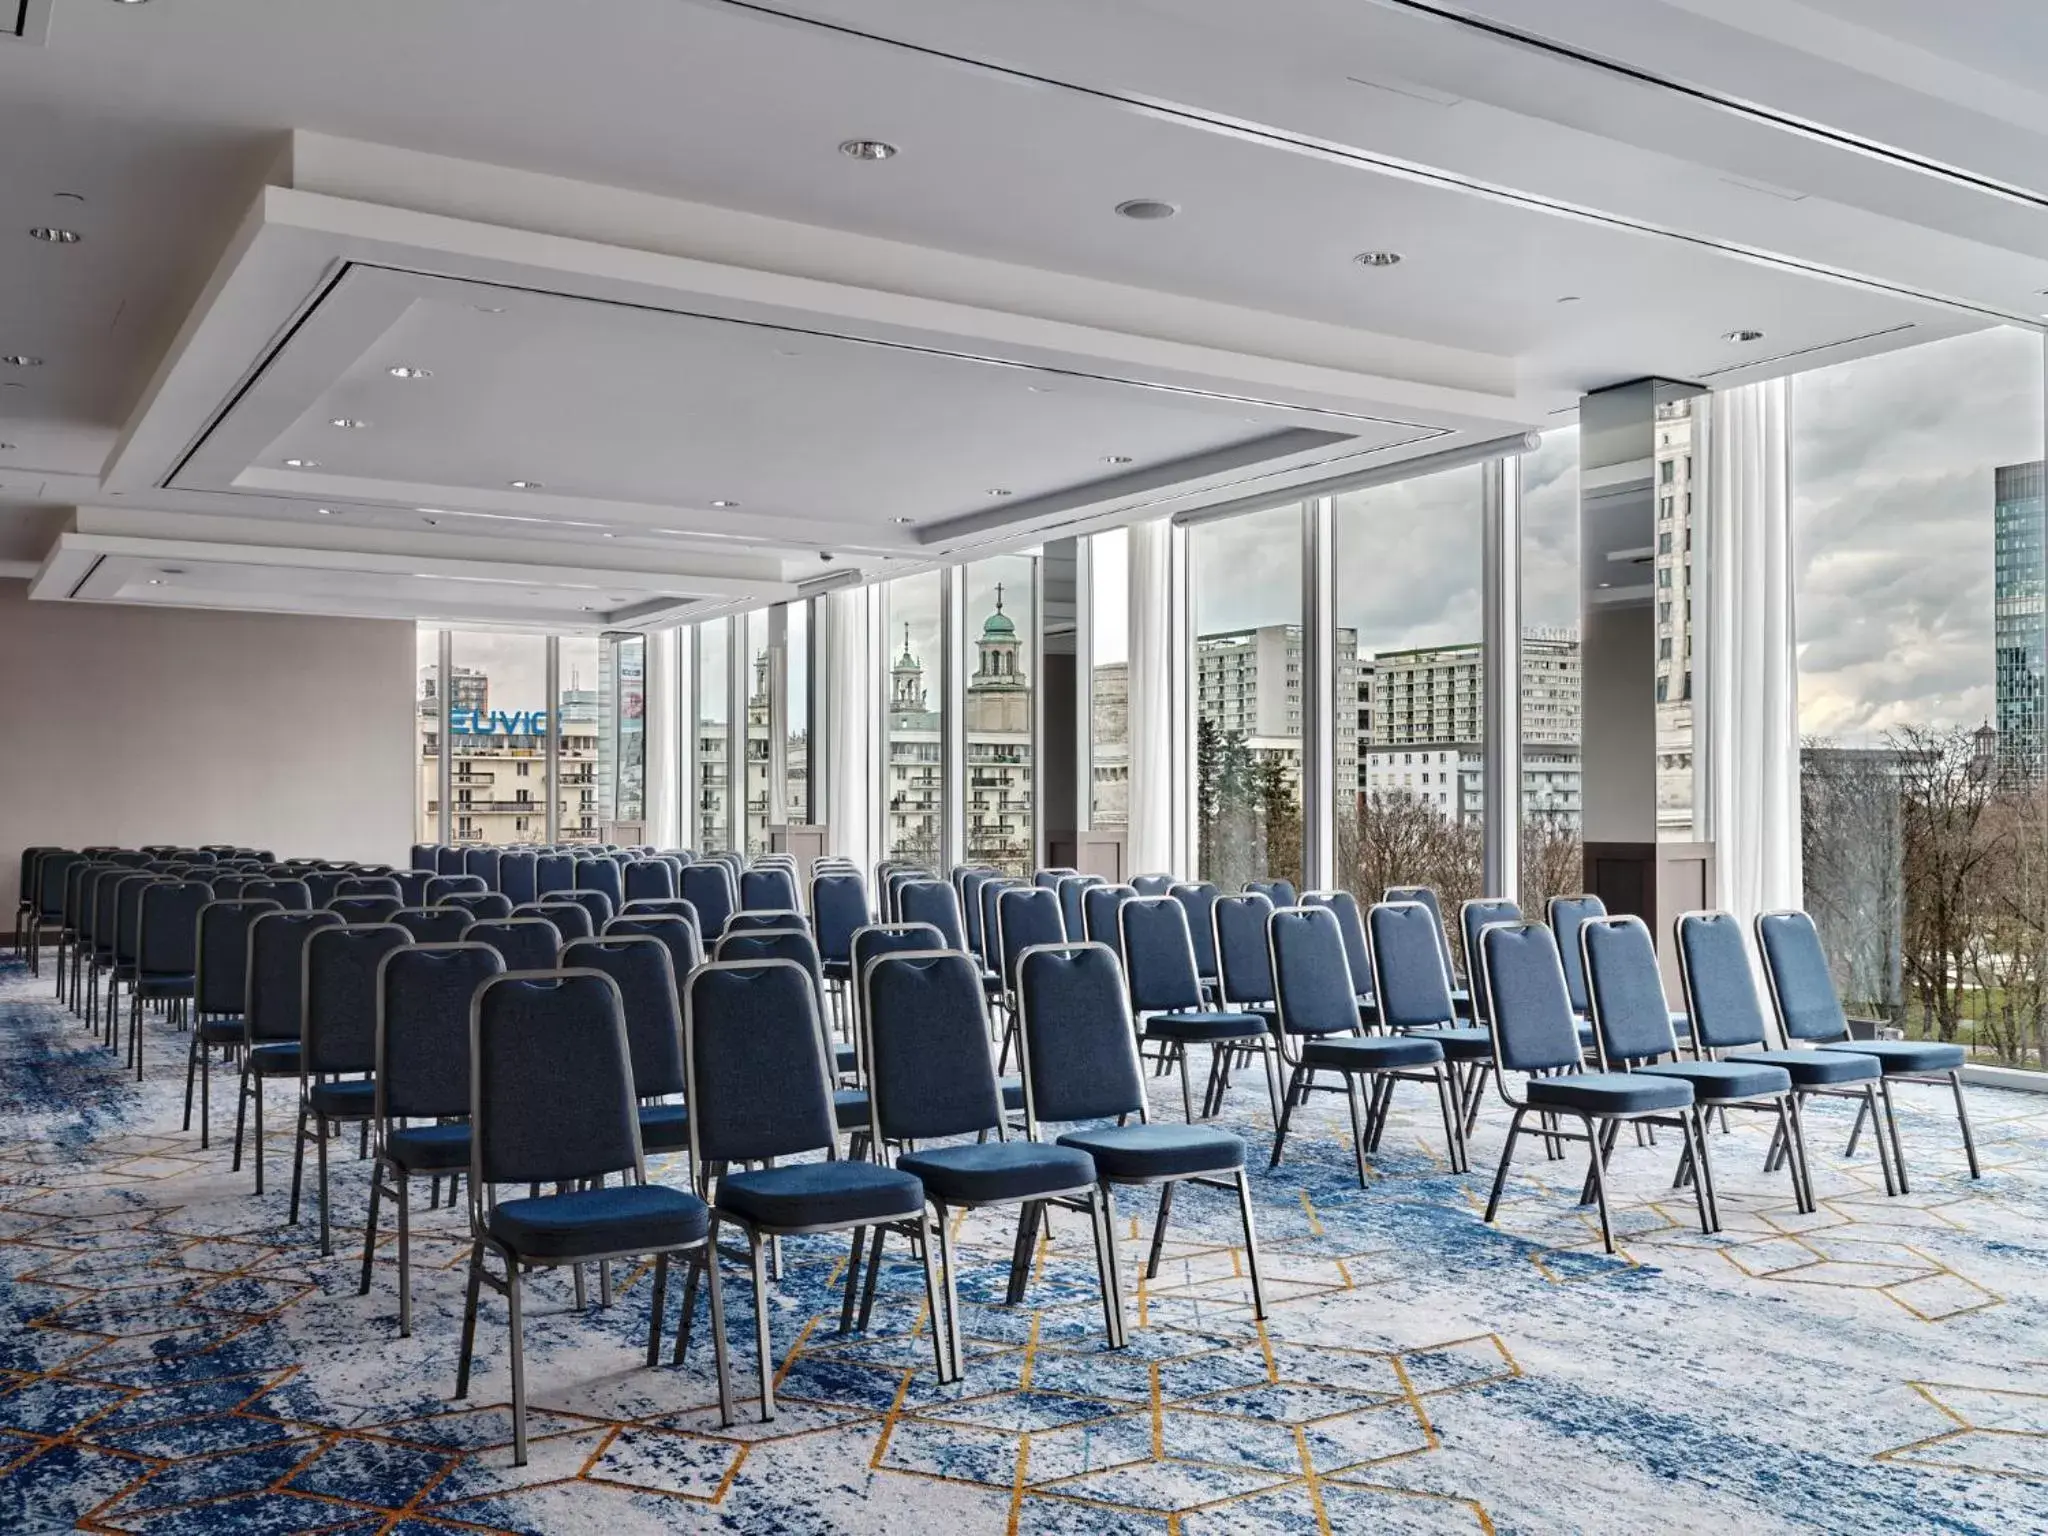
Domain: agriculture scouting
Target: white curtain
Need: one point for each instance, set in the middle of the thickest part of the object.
(852, 709)
(1753, 679)
(1154, 837)
(663, 759)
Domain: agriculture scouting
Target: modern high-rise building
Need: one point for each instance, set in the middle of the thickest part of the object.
(2018, 633)
(1248, 683)
(1671, 561)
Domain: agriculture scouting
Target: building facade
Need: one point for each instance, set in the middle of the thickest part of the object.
(2018, 629)
(1672, 564)
(498, 765)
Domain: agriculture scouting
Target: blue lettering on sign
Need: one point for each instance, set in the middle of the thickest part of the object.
(497, 722)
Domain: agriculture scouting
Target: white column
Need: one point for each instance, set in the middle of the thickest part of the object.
(1156, 751)
(1752, 679)
(1501, 674)
(853, 708)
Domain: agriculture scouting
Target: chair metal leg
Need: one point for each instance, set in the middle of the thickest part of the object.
(1271, 1052)
(405, 1255)
(1187, 1099)
(1159, 1229)
(1955, 1081)
(1381, 1108)
(1358, 1135)
(1112, 1313)
(205, 1099)
(370, 1233)
(1792, 1103)
(467, 1350)
(950, 1357)
(1868, 1109)
(192, 1055)
(1116, 1268)
(720, 1356)
(1788, 1131)
(326, 1227)
(1694, 1130)
(846, 1307)
(874, 1274)
(512, 1302)
(298, 1163)
(1286, 1114)
(1507, 1154)
(1599, 1180)
(1028, 1216)
(764, 1363)
(1891, 1125)
(256, 1083)
(1454, 1138)
(1251, 1245)
(1884, 1156)
(660, 1306)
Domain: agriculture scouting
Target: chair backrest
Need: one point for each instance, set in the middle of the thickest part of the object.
(1073, 891)
(365, 909)
(1079, 1052)
(677, 934)
(1244, 958)
(1026, 916)
(1474, 917)
(1411, 979)
(759, 1079)
(1099, 904)
(74, 889)
(572, 918)
(602, 875)
(763, 919)
(839, 909)
(293, 895)
(551, 1081)
(934, 902)
(276, 997)
(640, 964)
(1158, 954)
(221, 983)
(323, 883)
(516, 876)
(1311, 981)
(422, 1026)
(553, 872)
(601, 907)
(1796, 969)
(750, 946)
(1153, 885)
(892, 888)
(1280, 892)
(105, 887)
(1343, 906)
(1625, 988)
(369, 885)
(423, 855)
(1721, 1004)
(167, 937)
(480, 904)
(968, 881)
(657, 906)
(482, 862)
(924, 1039)
(441, 887)
(525, 943)
(1533, 1025)
(1199, 897)
(433, 925)
(709, 887)
(990, 892)
(227, 887)
(646, 879)
(878, 939)
(1565, 914)
(50, 879)
(340, 1030)
(412, 886)
(128, 916)
(768, 890)
(448, 860)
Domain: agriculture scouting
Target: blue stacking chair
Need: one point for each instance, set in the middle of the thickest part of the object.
(1153, 885)
(671, 906)
(127, 955)
(220, 995)
(365, 909)
(1474, 918)
(571, 918)
(524, 943)
(1320, 1030)
(968, 879)
(646, 978)
(369, 885)
(1099, 905)
(767, 919)
(324, 883)
(166, 952)
(441, 887)
(1428, 1004)
(1073, 891)
(412, 886)
(768, 890)
(1025, 916)
(678, 934)
(433, 925)
(1281, 893)
(292, 894)
(81, 895)
(552, 1102)
(482, 862)
(839, 909)
(517, 876)
(934, 902)
(424, 856)
(879, 939)
(98, 942)
(1244, 969)
(601, 875)
(1565, 914)
(1425, 895)
(601, 907)
(925, 1034)
(988, 935)
(649, 880)
(422, 1073)
(47, 913)
(1536, 1032)
(449, 860)
(273, 1019)
(892, 888)
(1632, 1033)
(1810, 1011)
(709, 888)
(748, 945)
(338, 1044)
(553, 873)
(480, 905)
(1167, 1000)
(1199, 898)
(759, 1087)
(1080, 1056)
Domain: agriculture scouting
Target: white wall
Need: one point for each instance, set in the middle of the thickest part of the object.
(132, 725)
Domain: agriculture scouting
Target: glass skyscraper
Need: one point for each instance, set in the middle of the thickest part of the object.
(2022, 659)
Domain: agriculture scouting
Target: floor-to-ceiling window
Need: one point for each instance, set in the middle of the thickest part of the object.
(708, 736)
(1109, 679)
(427, 736)
(499, 717)
(1552, 858)
(1410, 670)
(622, 729)
(913, 744)
(1248, 680)
(999, 697)
(576, 739)
(760, 680)
(796, 752)
(1919, 559)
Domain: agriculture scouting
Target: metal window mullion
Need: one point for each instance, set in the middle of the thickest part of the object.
(686, 741)
(952, 718)
(552, 750)
(1180, 785)
(1319, 688)
(1501, 674)
(444, 770)
(1035, 776)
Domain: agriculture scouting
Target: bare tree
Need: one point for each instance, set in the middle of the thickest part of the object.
(1946, 789)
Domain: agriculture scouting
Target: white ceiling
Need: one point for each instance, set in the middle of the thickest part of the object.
(624, 243)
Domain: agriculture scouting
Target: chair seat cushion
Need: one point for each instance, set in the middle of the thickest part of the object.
(835, 1194)
(1896, 1056)
(1196, 1027)
(1715, 1080)
(1813, 1069)
(664, 1127)
(844, 1059)
(998, 1170)
(166, 984)
(429, 1148)
(220, 1031)
(1460, 1044)
(1013, 1093)
(1157, 1151)
(637, 1218)
(1610, 1093)
(850, 1108)
(355, 1099)
(275, 1058)
(836, 970)
(1371, 1053)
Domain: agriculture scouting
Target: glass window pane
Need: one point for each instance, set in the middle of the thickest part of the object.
(913, 775)
(1245, 575)
(1109, 678)
(577, 733)
(1001, 669)
(796, 792)
(427, 736)
(756, 624)
(1409, 687)
(498, 727)
(1919, 564)
(622, 728)
(714, 714)
(1553, 862)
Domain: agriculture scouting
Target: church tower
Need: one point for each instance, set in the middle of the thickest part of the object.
(906, 682)
(999, 694)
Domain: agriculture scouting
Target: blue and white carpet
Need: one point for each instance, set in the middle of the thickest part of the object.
(177, 1359)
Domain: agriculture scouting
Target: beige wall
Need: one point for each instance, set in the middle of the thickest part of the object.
(130, 725)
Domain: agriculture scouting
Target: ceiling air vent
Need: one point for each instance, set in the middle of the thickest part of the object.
(25, 21)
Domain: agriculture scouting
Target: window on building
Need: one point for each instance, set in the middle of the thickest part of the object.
(1109, 677)
(912, 733)
(713, 809)
(427, 736)
(580, 730)
(499, 717)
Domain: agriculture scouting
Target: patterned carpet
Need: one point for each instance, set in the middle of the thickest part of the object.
(179, 1360)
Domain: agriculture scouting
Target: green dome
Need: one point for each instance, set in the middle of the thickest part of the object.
(998, 627)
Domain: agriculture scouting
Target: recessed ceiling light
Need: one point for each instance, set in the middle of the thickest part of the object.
(903, 522)
(301, 463)
(350, 422)
(867, 149)
(1378, 258)
(21, 360)
(403, 372)
(1116, 458)
(1040, 389)
(611, 535)
(1743, 336)
(172, 570)
(431, 522)
(1145, 209)
(155, 582)
(999, 491)
(525, 485)
(50, 235)
(1568, 298)
(728, 505)
(69, 197)
(488, 309)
